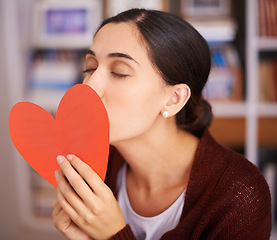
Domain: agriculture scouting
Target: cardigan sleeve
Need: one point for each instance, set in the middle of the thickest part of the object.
(125, 234)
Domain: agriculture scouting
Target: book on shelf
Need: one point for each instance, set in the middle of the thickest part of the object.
(268, 80)
(206, 9)
(52, 69)
(50, 73)
(212, 19)
(267, 12)
(225, 82)
(215, 29)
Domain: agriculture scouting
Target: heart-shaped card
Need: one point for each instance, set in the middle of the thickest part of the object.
(81, 127)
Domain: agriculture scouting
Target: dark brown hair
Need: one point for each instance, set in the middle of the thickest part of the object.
(180, 54)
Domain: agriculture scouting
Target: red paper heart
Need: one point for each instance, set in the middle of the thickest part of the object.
(81, 128)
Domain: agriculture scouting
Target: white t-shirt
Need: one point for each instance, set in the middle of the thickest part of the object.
(147, 228)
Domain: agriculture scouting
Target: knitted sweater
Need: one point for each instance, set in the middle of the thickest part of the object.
(226, 197)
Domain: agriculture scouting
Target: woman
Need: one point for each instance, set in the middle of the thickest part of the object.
(167, 178)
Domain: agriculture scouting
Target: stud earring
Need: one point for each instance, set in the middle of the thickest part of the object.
(165, 114)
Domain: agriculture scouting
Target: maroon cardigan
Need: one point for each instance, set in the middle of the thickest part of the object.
(226, 198)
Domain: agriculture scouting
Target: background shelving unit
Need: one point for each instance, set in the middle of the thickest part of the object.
(244, 123)
(227, 29)
(262, 116)
(256, 109)
(61, 32)
(59, 50)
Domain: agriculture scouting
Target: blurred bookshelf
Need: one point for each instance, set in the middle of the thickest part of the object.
(60, 32)
(267, 77)
(261, 91)
(222, 23)
(243, 88)
(51, 72)
(267, 14)
(245, 116)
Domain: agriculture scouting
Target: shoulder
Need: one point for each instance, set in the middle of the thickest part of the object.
(231, 172)
(242, 186)
(237, 174)
(241, 200)
(231, 190)
(223, 164)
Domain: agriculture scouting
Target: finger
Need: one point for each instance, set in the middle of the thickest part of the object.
(60, 218)
(76, 181)
(66, 206)
(64, 218)
(70, 230)
(68, 199)
(88, 174)
(55, 203)
(63, 223)
(56, 208)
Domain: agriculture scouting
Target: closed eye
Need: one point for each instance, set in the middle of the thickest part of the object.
(119, 75)
(89, 70)
(116, 75)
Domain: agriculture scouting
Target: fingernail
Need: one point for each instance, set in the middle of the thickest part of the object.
(59, 159)
(57, 173)
(69, 157)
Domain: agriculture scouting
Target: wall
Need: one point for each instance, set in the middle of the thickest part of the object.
(8, 202)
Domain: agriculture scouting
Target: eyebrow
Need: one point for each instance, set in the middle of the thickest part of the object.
(114, 55)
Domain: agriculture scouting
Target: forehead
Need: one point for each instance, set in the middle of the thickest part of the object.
(119, 37)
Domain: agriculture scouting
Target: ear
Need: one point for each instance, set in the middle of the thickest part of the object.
(179, 95)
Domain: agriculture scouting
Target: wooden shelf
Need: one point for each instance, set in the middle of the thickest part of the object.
(264, 44)
(229, 109)
(222, 30)
(267, 110)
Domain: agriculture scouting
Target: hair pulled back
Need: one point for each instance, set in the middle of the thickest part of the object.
(180, 54)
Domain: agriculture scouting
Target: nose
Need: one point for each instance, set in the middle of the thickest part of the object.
(96, 82)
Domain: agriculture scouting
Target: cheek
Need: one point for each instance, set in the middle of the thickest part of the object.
(133, 114)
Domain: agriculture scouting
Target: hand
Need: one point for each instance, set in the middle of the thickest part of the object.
(65, 225)
(87, 200)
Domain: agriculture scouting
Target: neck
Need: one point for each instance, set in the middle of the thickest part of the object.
(158, 161)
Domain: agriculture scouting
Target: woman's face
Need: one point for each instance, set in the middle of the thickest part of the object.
(119, 70)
